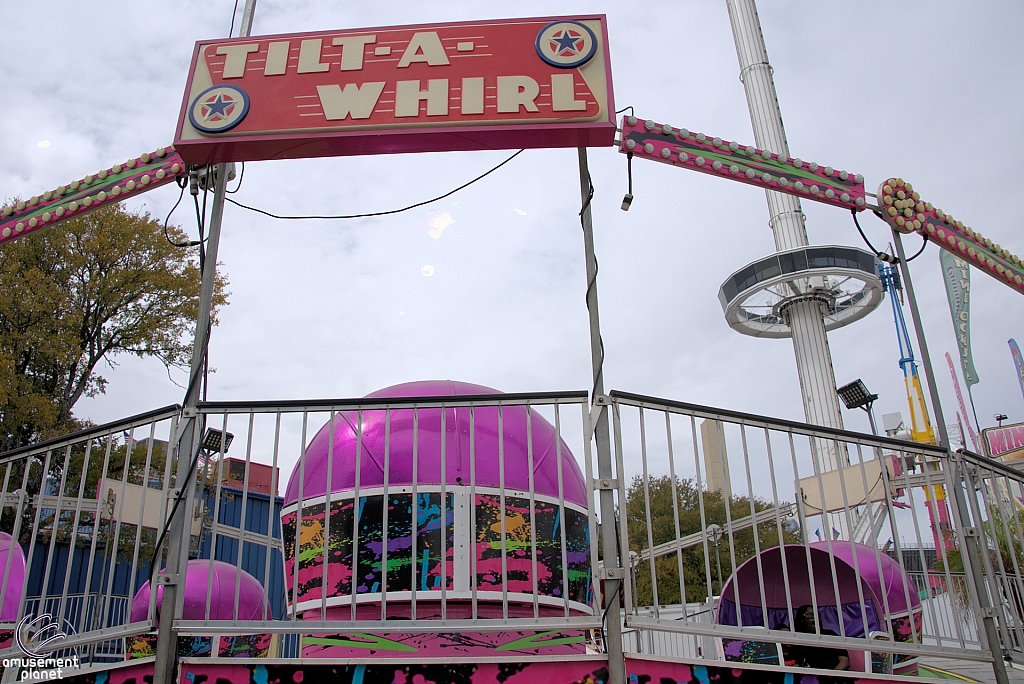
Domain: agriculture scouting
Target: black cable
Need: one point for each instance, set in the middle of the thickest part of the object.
(201, 218)
(923, 245)
(614, 601)
(590, 286)
(882, 256)
(240, 177)
(174, 509)
(627, 199)
(853, 213)
(378, 213)
(181, 183)
(233, 13)
(590, 196)
(630, 108)
(199, 223)
(183, 491)
(199, 215)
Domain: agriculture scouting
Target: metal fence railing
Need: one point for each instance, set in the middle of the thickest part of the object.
(419, 514)
(407, 520)
(80, 534)
(759, 517)
(994, 494)
(79, 521)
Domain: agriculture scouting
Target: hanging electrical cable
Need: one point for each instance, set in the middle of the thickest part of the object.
(234, 12)
(590, 286)
(924, 244)
(628, 199)
(885, 256)
(377, 213)
(882, 256)
(239, 186)
(182, 183)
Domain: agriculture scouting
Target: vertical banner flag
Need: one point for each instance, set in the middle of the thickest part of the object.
(1018, 362)
(957, 275)
(960, 398)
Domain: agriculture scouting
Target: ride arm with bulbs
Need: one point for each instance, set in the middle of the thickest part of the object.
(899, 204)
(136, 176)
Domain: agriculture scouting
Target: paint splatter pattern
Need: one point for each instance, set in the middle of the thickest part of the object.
(428, 569)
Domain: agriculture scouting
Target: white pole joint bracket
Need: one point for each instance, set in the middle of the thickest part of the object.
(612, 573)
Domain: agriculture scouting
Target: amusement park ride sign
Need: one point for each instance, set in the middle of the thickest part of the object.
(464, 86)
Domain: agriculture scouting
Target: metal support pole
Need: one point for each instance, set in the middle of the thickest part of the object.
(805, 313)
(613, 626)
(718, 564)
(972, 551)
(970, 554)
(926, 360)
(871, 420)
(188, 446)
(189, 436)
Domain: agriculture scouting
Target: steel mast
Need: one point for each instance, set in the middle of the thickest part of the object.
(805, 314)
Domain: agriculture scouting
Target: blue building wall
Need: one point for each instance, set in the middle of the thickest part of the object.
(117, 577)
(254, 556)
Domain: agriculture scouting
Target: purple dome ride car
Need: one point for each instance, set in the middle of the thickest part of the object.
(418, 449)
(214, 587)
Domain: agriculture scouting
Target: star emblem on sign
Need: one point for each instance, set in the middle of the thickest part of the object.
(565, 43)
(219, 107)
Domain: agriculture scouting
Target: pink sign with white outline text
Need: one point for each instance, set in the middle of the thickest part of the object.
(464, 86)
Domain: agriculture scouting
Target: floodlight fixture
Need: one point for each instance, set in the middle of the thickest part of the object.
(212, 440)
(856, 395)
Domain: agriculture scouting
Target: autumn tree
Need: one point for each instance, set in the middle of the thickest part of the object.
(666, 568)
(90, 289)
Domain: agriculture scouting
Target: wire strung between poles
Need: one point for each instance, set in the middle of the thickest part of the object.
(377, 213)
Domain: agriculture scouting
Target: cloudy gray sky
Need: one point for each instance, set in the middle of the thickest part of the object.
(927, 91)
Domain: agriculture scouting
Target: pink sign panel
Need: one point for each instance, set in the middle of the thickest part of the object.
(1004, 442)
(465, 86)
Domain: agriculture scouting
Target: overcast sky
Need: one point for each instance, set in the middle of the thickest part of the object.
(930, 92)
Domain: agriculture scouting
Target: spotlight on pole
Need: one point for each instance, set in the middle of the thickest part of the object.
(212, 440)
(856, 395)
